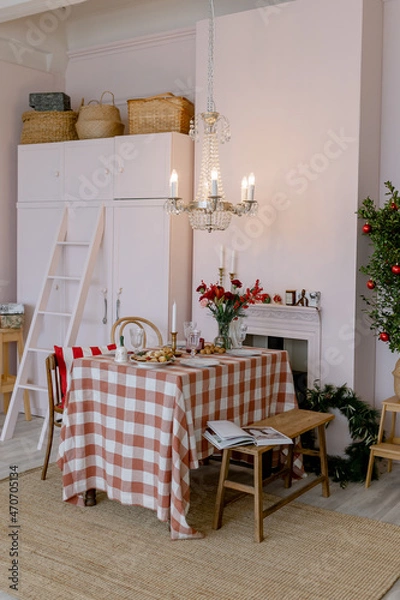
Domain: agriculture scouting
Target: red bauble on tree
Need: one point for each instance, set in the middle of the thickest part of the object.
(396, 269)
(371, 284)
(384, 337)
(394, 206)
(367, 228)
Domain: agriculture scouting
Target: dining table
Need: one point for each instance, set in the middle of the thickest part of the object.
(135, 433)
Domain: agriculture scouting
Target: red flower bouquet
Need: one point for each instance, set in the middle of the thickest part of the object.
(228, 305)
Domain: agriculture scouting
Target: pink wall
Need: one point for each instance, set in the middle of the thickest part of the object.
(294, 95)
(18, 82)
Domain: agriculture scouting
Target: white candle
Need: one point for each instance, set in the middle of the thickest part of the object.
(173, 182)
(214, 182)
(252, 182)
(233, 261)
(173, 327)
(244, 189)
(221, 257)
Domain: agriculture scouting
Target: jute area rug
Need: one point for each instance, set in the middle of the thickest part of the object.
(114, 552)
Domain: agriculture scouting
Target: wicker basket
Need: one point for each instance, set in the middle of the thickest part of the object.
(48, 126)
(98, 120)
(159, 114)
(98, 128)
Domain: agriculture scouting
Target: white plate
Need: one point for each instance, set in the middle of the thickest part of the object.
(244, 352)
(200, 362)
(147, 364)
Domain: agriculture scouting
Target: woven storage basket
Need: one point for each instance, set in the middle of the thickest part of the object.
(159, 114)
(48, 126)
(95, 110)
(98, 128)
(98, 120)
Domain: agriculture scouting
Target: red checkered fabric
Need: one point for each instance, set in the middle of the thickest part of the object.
(65, 357)
(136, 433)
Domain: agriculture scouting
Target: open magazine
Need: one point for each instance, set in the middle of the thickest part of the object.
(224, 434)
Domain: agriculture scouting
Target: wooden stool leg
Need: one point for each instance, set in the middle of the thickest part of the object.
(49, 445)
(370, 467)
(258, 499)
(27, 404)
(219, 503)
(289, 464)
(323, 460)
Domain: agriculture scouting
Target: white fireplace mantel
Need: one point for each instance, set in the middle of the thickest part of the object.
(290, 322)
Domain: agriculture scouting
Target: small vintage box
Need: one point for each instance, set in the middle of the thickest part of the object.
(11, 315)
(45, 101)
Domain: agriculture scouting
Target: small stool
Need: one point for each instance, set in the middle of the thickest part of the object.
(292, 423)
(391, 448)
(7, 381)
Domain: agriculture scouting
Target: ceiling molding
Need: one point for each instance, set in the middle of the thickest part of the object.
(126, 45)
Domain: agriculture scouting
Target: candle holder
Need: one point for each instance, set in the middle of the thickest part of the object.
(174, 335)
(221, 275)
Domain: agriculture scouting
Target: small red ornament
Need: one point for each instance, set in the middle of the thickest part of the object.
(396, 269)
(371, 284)
(367, 228)
(394, 206)
(384, 337)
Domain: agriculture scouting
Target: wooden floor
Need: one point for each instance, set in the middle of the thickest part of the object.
(381, 501)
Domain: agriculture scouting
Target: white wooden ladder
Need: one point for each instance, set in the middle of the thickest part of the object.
(30, 374)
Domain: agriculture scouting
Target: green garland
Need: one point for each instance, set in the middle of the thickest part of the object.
(363, 422)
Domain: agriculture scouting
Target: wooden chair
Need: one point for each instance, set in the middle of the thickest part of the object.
(291, 423)
(55, 406)
(119, 327)
(389, 449)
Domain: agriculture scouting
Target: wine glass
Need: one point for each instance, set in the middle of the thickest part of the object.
(136, 335)
(194, 339)
(242, 334)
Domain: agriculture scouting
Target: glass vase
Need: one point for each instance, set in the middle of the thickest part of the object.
(223, 339)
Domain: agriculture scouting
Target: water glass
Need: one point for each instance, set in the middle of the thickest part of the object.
(136, 335)
(194, 339)
(188, 326)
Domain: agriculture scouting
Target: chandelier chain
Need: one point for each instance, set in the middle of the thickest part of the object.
(211, 45)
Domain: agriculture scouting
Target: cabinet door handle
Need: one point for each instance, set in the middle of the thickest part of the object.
(56, 173)
(121, 170)
(118, 304)
(107, 171)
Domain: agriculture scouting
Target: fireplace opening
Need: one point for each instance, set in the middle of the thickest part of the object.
(297, 351)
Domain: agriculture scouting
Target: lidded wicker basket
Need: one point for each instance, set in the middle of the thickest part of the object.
(48, 126)
(159, 114)
(98, 120)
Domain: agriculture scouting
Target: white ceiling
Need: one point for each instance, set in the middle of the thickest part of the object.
(15, 9)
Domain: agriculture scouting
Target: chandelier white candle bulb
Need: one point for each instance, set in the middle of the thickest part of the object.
(214, 182)
(173, 182)
(252, 186)
(173, 327)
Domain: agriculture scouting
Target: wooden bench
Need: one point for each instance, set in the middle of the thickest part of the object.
(292, 423)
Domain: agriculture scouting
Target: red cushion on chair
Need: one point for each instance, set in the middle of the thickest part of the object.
(65, 356)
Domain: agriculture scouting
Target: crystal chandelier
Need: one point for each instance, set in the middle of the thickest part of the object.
(210, 211)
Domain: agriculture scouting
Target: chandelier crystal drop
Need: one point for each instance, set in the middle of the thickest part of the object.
(210, 211)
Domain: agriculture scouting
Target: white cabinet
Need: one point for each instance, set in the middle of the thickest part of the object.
(88, 170)
(40, 172)
(145, 259)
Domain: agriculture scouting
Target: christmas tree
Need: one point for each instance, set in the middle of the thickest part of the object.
(382, 225)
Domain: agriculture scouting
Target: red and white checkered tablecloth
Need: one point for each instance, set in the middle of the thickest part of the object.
(136, 433)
